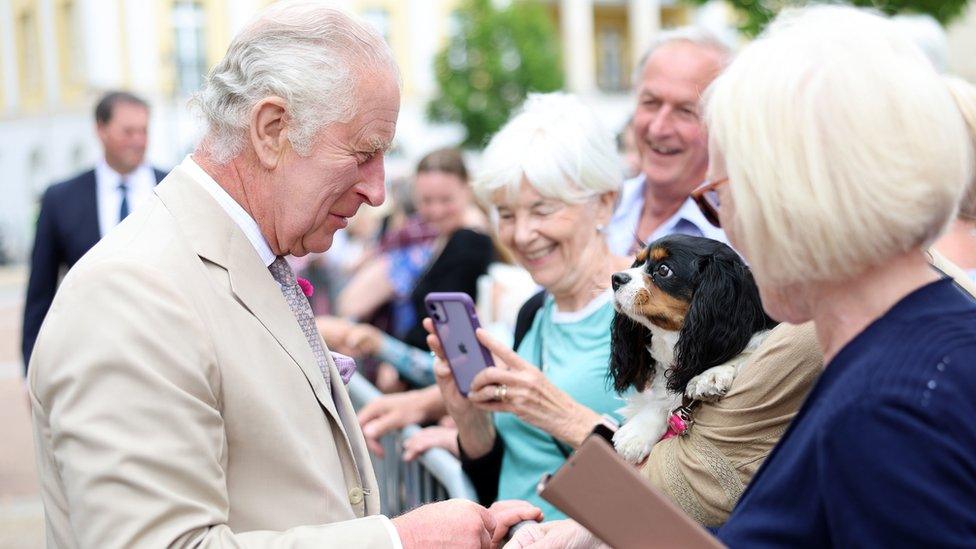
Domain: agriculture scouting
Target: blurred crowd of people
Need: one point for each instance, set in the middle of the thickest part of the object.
(830, 153)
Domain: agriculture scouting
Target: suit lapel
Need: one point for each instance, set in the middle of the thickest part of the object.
(219, 240)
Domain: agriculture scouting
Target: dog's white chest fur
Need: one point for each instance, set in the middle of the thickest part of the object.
(646, 413)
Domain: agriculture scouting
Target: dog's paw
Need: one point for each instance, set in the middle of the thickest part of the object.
(712, 384)
(635, 438)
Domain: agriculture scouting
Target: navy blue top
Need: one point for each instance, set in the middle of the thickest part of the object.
(883, 452)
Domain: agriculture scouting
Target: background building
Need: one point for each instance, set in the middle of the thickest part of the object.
(58, 56)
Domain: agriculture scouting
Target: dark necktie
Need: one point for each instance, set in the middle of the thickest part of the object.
(124, 207)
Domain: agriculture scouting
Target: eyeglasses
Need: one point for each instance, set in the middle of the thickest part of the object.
(706, 197)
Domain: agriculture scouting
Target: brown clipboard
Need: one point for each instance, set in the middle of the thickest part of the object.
(608, 496)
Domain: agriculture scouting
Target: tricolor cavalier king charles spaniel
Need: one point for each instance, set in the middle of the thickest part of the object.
(685, 310)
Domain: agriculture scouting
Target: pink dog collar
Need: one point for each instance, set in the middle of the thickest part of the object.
(676, 426)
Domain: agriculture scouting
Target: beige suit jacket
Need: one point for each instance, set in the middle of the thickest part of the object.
(176, 401)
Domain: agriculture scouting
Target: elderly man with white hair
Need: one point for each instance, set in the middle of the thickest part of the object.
(671, 140)
(179, 391)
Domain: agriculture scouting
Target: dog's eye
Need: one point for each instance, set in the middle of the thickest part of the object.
(663, 271)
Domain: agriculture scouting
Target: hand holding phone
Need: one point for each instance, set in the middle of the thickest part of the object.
(455, 322)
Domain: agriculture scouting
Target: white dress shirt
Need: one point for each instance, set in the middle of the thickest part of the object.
(139, 183)
(622, 230)
(254, 236)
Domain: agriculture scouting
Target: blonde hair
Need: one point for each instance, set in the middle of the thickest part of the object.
(964, 94)
(842, 145)
(558, 145)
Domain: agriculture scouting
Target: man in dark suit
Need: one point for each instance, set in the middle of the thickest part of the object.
(76, 213)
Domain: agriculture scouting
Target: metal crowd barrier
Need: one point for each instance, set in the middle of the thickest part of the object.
(434, 476)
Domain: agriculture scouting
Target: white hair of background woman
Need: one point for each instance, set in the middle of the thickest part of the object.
(309, 54)
(842, 144)
(696, 35)
(558, 145)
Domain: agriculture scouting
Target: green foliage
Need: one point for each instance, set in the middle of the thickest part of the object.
(757, 13)
(496, 58)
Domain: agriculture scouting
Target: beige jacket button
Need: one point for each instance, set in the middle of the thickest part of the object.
(356, 495)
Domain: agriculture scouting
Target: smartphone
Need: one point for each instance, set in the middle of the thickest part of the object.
(455, 321)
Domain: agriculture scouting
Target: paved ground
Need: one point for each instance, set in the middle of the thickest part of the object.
(21, 514)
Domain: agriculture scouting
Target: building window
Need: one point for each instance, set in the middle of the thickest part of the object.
(191, 64)
(611, 75)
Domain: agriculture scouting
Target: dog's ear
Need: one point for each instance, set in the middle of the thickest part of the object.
(724, 314)
(630, 361)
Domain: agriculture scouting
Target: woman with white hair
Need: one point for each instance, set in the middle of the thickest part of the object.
(551, 176)
(838, 156)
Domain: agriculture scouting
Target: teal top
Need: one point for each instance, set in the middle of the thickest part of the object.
(575, 356)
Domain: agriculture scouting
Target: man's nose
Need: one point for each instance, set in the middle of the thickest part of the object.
(373, 188)
(661, 123)
(619, 279)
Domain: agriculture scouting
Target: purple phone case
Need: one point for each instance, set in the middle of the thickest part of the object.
(456, 333)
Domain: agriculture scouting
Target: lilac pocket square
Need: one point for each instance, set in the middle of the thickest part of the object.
(346, 366)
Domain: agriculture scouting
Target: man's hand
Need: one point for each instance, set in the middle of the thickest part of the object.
(451, 523)
(461, 523)
(559, 534)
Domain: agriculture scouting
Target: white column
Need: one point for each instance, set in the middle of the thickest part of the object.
(102, 39)
(576, 23)
(141, 37)
(424, 39)
(49, 53)
(9, 78)
(644, 17)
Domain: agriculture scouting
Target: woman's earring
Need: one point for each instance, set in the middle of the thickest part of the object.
(601, 228)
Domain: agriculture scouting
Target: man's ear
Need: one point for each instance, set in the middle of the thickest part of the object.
(101, 130)
(268, 131)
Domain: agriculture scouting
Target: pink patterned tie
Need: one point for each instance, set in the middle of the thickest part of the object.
(299, 306)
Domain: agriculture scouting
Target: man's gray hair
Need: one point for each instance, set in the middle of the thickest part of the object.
(700, 36)
(309, 54)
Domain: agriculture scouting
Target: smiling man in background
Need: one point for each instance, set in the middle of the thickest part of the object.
(671, 140)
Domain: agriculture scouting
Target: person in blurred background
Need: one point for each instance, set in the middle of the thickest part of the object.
(77, 212)
(869, 156)
(452, 262)
(671, 140)
(958, 244)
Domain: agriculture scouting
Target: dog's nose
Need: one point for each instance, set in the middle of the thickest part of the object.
(619, 279)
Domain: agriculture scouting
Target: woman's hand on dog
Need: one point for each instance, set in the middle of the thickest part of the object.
(529, 394)
(476, 432)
